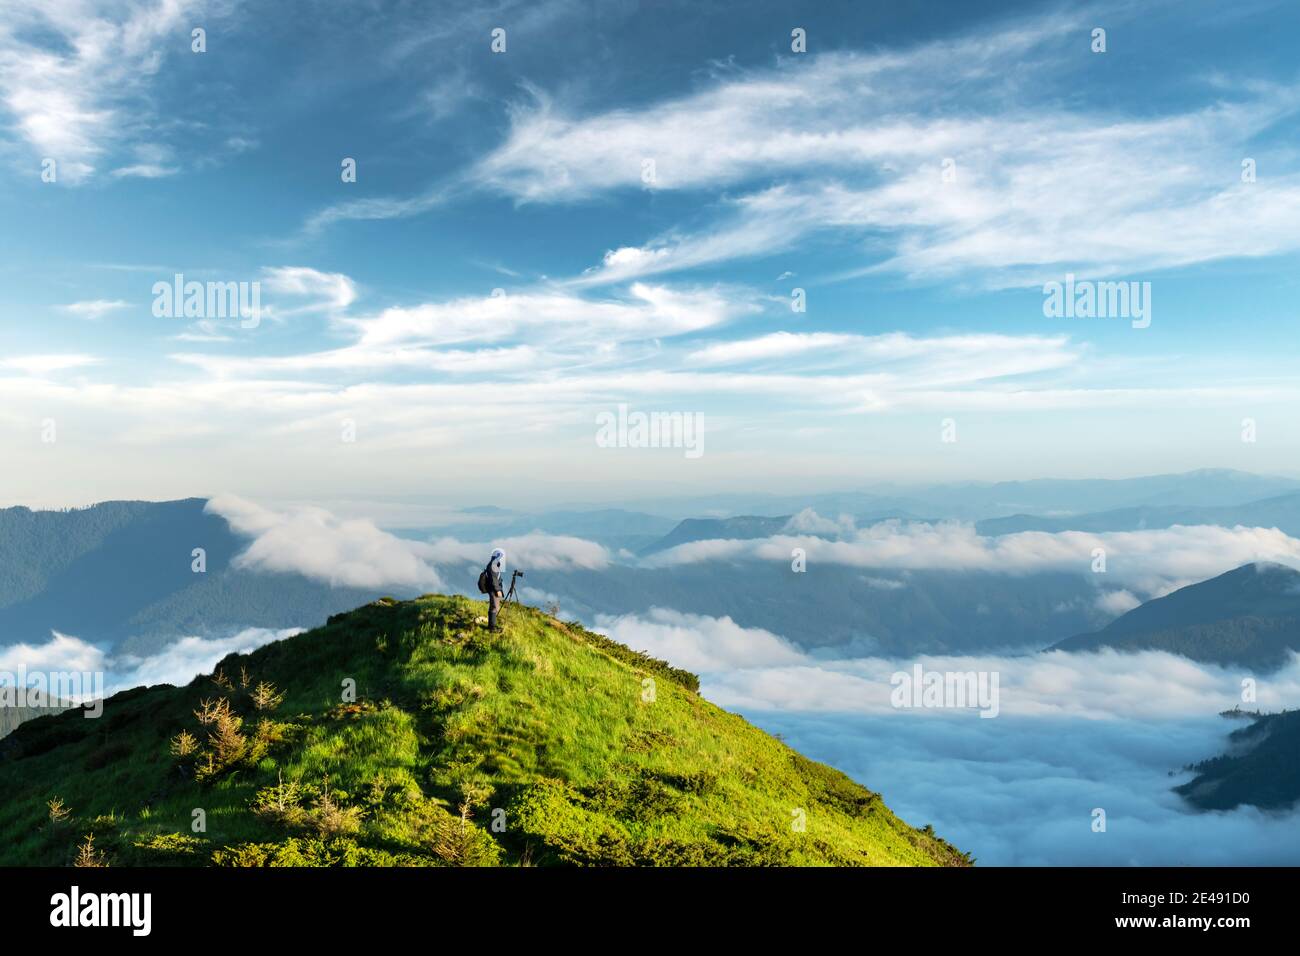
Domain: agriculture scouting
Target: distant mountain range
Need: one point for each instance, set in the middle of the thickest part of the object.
(974, 501)
(848, 610)
(1207, 486)
(121, 573)
(1249, 616)
(1282, 512)
(739, 528)
(615, 528)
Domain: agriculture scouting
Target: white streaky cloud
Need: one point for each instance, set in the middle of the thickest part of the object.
(899, 361)
(1150, 562)
(358, 358)
(632, 258)
(748, 227)
(543, 416)
(699, 642)
(543, 552)
(375, 208)
(285, 292)
(776, 345)
(859, 149)
(1011, 226)
(328, 292)
(808, 111)
(313, 543)
(145, 171)
(650, 312)
(94, 308)
(45, 364)
(74, 75)
(562, 330)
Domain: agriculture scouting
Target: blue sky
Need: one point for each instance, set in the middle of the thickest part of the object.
(525, 172)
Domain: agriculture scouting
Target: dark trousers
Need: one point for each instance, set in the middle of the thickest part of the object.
(494, 605)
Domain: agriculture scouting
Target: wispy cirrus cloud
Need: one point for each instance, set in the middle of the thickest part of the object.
(46, 364)
(648, 311)
(1006, 188)
(938, 358)
(74, 76)
(94, 308)
(464, 335)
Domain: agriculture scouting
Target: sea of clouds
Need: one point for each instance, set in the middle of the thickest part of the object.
(1074, 733)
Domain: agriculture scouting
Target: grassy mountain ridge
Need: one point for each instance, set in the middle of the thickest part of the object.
(544, 743)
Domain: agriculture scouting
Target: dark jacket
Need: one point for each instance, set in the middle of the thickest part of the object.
(494, 579)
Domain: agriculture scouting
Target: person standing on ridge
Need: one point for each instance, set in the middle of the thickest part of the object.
(489, 582)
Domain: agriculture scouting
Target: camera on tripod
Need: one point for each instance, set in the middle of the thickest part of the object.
(511, 595)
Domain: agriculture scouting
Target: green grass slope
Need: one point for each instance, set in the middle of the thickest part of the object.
(541, 744)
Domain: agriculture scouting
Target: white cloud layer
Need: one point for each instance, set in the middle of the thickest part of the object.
(179, 662)
(1074, 732)
(353, 552)
(1151, 562)
(314, 543)
(698, 642)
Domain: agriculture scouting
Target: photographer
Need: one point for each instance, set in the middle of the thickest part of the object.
(490, 584)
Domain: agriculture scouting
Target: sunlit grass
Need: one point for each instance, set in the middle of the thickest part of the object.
(413, 736)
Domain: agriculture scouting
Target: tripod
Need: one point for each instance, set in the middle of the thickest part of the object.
(512, 595)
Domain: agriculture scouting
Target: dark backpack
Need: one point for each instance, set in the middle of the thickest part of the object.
(484, 582)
